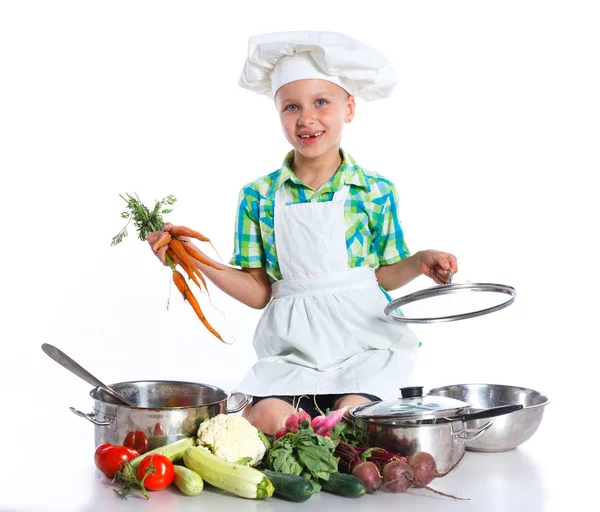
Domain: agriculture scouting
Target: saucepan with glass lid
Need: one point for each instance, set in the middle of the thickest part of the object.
(435, 424)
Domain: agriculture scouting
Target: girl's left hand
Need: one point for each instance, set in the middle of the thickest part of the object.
(436, 264)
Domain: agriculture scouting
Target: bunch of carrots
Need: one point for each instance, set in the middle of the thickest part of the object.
(180, 251)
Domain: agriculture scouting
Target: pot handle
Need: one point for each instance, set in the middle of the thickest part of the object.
(470, 434)
(245, 401)
(90, 417)
(490, 413)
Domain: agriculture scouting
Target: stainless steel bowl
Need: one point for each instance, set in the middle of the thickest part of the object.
(509, 430)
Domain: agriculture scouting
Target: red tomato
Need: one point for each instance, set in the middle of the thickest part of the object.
(109, 458)
(158, 430)
(136, 440)
(162, 477)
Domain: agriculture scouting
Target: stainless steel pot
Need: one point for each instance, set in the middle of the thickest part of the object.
(414, 423)
(166, 411)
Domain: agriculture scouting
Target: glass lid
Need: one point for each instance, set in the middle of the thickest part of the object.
(450, 302)
(412, 406)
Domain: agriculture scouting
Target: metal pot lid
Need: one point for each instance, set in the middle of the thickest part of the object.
(450, 302)
(412, 406)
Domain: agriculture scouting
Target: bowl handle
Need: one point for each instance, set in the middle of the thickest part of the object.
(90, 417)
(245, 401)
(470, 434)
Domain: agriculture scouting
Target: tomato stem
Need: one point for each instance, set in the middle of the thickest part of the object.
(127, 477)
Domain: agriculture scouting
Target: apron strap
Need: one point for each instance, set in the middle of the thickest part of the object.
(353, 278)
(284, 192)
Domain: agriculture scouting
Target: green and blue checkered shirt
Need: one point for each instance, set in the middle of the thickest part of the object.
(374, 236)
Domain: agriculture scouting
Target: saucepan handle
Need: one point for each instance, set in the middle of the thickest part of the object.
(490, 413)
(243, 403)
(91, 417)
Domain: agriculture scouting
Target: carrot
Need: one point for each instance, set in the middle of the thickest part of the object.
(181, 253)
(182, 286)
(184, 231)
(173, 256)
(199, 274)
(196, 255)
(163, 239)
(184, 266)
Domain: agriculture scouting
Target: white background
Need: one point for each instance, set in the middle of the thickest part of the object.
(491, 138)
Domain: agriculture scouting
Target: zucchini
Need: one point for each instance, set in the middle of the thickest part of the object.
(292, 487)
(244, 481)
(173, 451)
(187, 481)
(344, 485)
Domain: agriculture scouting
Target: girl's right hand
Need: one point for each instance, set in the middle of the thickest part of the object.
(152, 238)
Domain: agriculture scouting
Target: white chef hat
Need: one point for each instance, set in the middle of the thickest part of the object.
(279, 58)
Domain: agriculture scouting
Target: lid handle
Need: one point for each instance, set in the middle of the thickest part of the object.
(412, 392)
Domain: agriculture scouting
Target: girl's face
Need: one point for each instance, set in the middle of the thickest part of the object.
(313, 113)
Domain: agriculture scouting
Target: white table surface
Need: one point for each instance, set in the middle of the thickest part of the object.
(51, 468)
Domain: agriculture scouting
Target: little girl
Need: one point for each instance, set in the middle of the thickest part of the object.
(318, 241)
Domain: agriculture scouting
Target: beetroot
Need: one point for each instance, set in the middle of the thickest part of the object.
(369, 475)
(424, 468)
(379, 456)
(397, 476)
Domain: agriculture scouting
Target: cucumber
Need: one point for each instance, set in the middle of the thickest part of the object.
(292, 487)
(344, 485)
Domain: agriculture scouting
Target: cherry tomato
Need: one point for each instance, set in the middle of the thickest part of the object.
(109, 458)
(136, 440)
(162, 476)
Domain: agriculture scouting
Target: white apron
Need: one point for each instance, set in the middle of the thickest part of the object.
(324, 330)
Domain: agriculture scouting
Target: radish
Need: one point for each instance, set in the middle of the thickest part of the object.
(303, 416)
(316, 420)
(424, 468)
(291, 423)
(280, 432)
(330, 421)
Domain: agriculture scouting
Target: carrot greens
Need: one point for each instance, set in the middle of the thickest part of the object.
(146, 221)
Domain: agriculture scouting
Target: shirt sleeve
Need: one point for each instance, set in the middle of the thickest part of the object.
(248, 248)
(388, 236)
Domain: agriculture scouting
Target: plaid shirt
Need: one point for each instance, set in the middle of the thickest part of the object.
(373, 233)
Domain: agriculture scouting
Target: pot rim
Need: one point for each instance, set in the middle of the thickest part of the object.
(543, 396)
(176, 382)
(408, 423)
(413, 405)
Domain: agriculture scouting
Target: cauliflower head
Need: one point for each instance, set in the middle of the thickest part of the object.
(231, 438)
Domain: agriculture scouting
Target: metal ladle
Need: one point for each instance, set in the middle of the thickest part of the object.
(64, 360)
